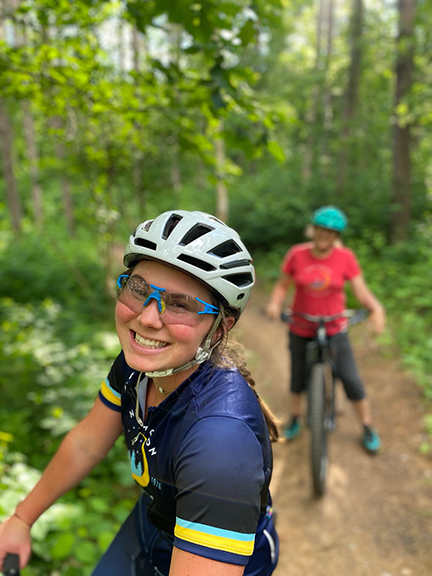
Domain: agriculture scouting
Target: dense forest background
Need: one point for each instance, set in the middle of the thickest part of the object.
(258, 112)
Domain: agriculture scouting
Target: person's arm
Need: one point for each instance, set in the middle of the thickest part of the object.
(83, 447)
(274, 307)
(367, 299)
(184, 563)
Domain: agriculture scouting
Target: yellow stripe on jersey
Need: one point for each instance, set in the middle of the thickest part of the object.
(110, 394)
(241, 547)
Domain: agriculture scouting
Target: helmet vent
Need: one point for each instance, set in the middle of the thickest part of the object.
(146, 225)
(170, 225)
(225, 249)
(145, 243)
(235, 264)
(240, 280)
(194, 233)
(196, 262)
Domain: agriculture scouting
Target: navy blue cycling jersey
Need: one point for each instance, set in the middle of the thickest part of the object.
(203, 456)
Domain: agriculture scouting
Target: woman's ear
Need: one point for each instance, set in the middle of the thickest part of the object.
(229, 322)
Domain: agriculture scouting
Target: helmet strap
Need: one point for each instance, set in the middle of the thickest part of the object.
(202, 354)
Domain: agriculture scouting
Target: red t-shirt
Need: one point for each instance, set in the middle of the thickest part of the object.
(319, 285)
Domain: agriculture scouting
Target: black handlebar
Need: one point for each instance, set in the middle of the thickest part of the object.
(353, 316)
(11, 565)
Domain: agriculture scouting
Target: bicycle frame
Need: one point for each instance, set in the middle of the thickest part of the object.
(318, 351)
(321, 393)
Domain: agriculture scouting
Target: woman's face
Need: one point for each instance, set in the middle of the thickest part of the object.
(147, 342)
(324, 239)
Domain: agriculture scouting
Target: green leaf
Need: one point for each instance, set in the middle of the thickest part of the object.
(248, 33)
(86, 552)
(275, 149)
(63, 547)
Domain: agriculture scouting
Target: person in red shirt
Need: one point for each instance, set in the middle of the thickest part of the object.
(318, 270)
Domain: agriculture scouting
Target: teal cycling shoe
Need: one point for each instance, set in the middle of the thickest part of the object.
(371, 440)
(292, 430)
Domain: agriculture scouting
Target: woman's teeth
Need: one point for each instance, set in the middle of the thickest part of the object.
(149, 343)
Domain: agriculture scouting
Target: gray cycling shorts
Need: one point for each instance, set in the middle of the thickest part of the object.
(344, 360)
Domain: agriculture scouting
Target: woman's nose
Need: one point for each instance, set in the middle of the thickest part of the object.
(150, 315)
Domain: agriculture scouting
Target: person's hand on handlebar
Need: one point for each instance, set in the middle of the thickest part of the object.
(15, 538)
(378, 319)
(273, 310)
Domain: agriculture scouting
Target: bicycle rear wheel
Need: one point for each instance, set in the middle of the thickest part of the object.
(316, 409)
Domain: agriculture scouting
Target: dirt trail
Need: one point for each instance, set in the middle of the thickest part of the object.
(376, 516)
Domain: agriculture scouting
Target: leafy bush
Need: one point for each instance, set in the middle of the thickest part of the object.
(47, 386)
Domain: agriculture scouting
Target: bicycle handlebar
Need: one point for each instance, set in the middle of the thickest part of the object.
(354, 316)
(11, 565)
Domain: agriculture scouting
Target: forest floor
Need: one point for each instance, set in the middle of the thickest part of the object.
(375, 518)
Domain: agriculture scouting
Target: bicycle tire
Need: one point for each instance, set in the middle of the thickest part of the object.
(318, 431)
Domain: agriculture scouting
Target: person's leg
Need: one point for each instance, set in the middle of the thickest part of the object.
(295, 404)
(347, 371)
(363, 411)
(297, 347)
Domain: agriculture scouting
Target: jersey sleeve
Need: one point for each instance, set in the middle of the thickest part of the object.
(352, 266)
(288, 262)
(219, 475)
(111, 388)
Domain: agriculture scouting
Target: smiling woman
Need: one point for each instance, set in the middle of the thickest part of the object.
(181, 394)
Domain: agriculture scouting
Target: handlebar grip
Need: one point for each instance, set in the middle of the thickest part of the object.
(358, 316)
(286, 315)
(11, 565)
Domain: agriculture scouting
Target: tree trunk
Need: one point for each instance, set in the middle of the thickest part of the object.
(68, 205)
(33, 157)
(327, 99)
(316, 97)
(120, 45)
(401, 213)
(352, 93)
(222, 204)
(6, 147)
(138, 160)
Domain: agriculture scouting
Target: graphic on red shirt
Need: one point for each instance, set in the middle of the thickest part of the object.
(319, 285)
(316, 279)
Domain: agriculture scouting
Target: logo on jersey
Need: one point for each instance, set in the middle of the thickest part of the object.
(139, 464)
(316, 280)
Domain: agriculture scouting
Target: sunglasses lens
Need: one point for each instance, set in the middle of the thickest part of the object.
(175, 308)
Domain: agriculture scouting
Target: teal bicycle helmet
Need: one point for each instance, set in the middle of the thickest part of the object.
(330, 217)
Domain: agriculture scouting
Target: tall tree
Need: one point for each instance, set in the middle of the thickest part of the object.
(352, 92)
(222, 204)
(20, 29)
(316, 93)
(6, 148)
(401, 213)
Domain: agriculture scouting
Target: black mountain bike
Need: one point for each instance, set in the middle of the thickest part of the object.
(11, 565)
(321, 390)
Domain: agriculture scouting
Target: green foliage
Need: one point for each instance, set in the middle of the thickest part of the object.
(56, 347)
(48, 385)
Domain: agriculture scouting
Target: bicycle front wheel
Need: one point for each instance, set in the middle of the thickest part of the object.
(316, 409)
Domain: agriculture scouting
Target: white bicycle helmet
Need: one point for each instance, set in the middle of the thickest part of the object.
(200, 245)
